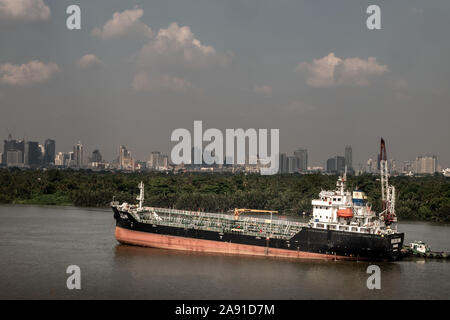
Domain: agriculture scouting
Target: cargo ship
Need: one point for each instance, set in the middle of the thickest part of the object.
(343, 227)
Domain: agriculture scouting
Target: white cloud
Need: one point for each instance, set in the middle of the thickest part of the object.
(332, 71)
(28, 73)
(88, 60)
(24, 10)
(265, 90)
(143, 82)
(179, 44)
(124, 23)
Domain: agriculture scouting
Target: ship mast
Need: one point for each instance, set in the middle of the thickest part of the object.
(140, 198)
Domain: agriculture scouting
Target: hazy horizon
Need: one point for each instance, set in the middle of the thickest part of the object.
(138, 70)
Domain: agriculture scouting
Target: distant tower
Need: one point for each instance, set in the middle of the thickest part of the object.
(123, 152)
(32, 154)
(96, 156)
(78, 151)
(155, 159)
(426, 164)
(292, 164)
(283, 167)
(369, 165)
(331, 165)
(348, 157)
(15, 150)
(125, 160)
(49, 151)
(340, 164)
(302, 155)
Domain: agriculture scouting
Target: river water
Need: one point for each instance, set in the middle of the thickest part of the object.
(38, 243)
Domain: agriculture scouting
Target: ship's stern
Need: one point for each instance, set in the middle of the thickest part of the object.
(395, 245)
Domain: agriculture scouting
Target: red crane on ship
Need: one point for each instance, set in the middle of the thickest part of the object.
(387, 191)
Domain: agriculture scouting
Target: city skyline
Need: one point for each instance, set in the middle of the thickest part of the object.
(324, 82)
(23, 153)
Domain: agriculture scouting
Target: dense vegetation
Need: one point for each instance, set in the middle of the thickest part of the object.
(424, 198)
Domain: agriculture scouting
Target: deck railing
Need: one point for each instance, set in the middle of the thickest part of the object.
(283, 229)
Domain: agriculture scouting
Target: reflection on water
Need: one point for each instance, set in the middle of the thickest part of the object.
(38, 243)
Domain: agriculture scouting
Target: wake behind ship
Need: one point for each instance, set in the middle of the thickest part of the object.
(343, 226)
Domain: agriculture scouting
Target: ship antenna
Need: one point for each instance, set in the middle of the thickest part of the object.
(140, 198)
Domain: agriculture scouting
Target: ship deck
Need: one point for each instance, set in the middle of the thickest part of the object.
(273, 228)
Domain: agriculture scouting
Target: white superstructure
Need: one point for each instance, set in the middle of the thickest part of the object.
(342, 210)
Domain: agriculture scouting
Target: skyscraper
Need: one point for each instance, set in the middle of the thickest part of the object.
(292, 164)
(32, 154)
(14, 158)
(369, 166)
(426, 164)
(340, 164)
(155, 160)
(378, 162)
(49, 153)
(71, 162)
(283, 163)
(78, 152)
(302, 155)
(125, 160)
(348, 157)
(331, 165)
(62, 159)
(11, 145)
(96, 156)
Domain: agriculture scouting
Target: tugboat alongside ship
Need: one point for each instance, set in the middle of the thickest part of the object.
(343, 226)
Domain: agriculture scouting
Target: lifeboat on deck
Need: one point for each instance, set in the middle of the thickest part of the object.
(345, 213)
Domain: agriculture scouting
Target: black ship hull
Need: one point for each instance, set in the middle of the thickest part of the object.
(307, 243)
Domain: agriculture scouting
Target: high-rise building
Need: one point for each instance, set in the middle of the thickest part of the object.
(378, 162)
(283, 165)
(164, 161)
(426, 164)
(369, 165)
(78, 153)
(96, 156)
(123, 153)
(158, 161)
(71, 162)
(14, 158)
(32, 156)
(126, 162)
(155, 160)
(12, 145)
(302, 155)
(49, 153)
(292, 164)
(392, 165)
(408, 166)
(331, 165)
(62, 159)
(348, 157)
(340, 164)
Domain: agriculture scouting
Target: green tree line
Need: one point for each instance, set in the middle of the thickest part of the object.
(423, 198)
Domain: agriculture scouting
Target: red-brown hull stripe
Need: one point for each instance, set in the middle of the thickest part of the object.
(154, 240)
